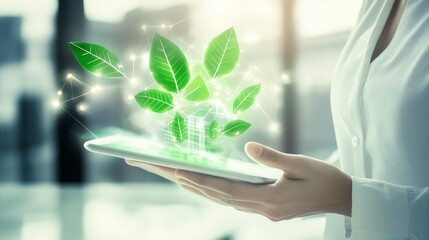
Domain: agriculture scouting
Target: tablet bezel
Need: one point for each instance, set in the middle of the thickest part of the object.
(99, 146)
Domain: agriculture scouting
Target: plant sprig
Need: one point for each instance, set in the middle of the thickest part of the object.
(171, 72)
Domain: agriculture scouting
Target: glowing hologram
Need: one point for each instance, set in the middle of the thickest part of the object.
(205, 114)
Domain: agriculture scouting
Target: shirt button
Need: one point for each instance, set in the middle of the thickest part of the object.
(355, 141)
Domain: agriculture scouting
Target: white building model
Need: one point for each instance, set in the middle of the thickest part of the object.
(197, 122)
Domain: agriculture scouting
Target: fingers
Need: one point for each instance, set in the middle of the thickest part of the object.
(292, 164)
(220, 197)
(165, 172)
(234, 190)
(198, 192)
(250, 207)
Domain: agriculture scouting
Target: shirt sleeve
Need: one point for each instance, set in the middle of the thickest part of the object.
(383, 210)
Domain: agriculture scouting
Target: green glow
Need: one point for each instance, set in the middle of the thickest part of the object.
(179, 128)
(222, 54)
(197, 90)
(168, 64)
(194, 127)
(155, 100)
(213, 130)
(204, 159)
(97, 59)
(235, 128)
(246, 98)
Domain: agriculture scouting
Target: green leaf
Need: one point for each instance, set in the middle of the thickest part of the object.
(179, 129)
(246, 98)
(155, 100)
(97, 59)
(222, 54)
(235, 128)
(168, 64)
(213, 129)
(197, 90)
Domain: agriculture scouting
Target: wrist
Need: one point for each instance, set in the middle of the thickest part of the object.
(344, 195)
(339, 198)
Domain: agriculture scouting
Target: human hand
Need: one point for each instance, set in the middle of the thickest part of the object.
(308, 186)
(165, 172)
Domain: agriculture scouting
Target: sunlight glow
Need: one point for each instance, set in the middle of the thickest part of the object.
(56, 103)
(96, 89)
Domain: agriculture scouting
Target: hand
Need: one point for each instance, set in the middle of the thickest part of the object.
(308, 186)
(165, 172)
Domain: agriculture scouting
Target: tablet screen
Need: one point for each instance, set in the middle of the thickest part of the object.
(174, 153)
(151, 151)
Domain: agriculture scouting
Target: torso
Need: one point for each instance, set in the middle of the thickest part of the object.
(380, 97)
(380, 107)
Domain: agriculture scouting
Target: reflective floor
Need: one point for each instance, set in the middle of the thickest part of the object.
(133, 211)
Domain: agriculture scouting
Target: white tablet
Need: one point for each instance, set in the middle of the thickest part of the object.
(153, 152)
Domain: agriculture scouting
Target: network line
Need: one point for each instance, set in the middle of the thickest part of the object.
(144, 39)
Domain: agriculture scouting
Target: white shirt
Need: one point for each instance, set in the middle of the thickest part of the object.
(381, 120)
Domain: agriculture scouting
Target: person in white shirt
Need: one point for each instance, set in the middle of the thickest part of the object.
(380, 109)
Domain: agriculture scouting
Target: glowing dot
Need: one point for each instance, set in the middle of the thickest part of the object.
(82, 107)
(56, 103)
(251, 38)
(97, 75)
(237, 133)
(170, 26)
(59, 93)
(69, 76)
(96, 89)
(133, 81)
(146, 58)
(133, 57)
(163, 26)
(285, 78)
(120, 66)
(144, 27)
(130, 97)
(274, 127)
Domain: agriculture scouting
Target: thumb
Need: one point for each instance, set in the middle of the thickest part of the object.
(289, 163)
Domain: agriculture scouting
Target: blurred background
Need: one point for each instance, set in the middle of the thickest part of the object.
(50, 188)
